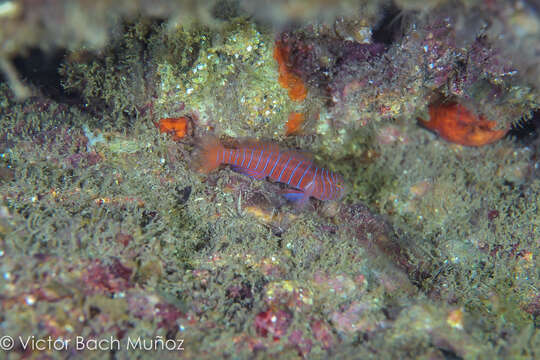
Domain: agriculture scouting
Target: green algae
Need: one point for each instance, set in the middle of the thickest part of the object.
(234, 69)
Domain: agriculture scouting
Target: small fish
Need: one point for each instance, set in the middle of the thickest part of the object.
(266, 160)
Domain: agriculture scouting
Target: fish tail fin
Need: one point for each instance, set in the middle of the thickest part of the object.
(207, 156)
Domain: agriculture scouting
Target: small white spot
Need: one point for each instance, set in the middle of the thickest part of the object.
(30, 300)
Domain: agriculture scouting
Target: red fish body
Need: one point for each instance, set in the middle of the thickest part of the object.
(268, 161)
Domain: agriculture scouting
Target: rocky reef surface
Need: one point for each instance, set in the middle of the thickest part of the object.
(113, 244)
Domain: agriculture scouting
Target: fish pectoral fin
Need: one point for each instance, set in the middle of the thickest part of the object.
(310, 188)
(295, 195)
(251, 173)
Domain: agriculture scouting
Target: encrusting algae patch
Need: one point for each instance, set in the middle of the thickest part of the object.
(287, 78)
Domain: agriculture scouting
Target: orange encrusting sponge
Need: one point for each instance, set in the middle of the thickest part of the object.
(176, 127)
(294, 124)
(455, 123)
(287, 79)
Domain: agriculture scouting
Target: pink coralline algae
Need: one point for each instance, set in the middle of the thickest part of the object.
(354, 318)
(272, 322)
(169, 315)
(302, 343)
(110, 278)
(456, 66)
(324, 60)
(323, 333)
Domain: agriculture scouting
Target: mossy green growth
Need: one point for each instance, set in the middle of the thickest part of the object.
(459, 206)
(468, 216)
(113, 84)
(231, 83)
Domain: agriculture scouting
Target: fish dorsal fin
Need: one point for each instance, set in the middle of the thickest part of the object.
(303, 156)
(258, 145)
(265, 145)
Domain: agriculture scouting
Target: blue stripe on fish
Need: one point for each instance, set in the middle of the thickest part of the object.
(322, 180)
(290, 178)
(250, 159)
(302, 178)
(260, 157)
(277, 161)
(283, 170)
(267, 161)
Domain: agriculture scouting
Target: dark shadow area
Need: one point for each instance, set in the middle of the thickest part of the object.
(526, 132)
(41, 70)
(390, 28)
